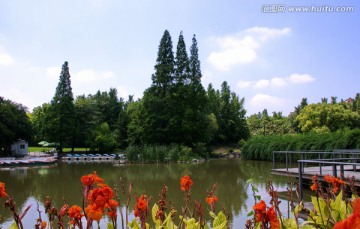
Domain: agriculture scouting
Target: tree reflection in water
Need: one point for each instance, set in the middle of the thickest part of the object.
(63, 180)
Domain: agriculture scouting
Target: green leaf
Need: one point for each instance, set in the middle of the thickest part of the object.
(13, 226)
(168, 221)
(338, 208)
(250, 214)
(308, 227)
(289, 224)
(212, 214)
(249, 181)
(110, 226)
(220, 221)
(298, 208)
(254, 189)
(134, 224)
(154, 211)
(320, 206)
(257, 197)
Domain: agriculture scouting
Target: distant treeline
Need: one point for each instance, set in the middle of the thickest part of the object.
(261, 147)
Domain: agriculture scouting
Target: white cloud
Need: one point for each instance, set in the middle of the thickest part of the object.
(6, 59)
(242, 47)
(233, 51)
(244, 84)
(301, 78)
(87, 76)
(266, 101)
(264, 33)
(83, 76)
(277, 81)
(262, 84)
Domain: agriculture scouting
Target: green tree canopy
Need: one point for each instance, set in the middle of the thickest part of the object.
(14, 124)
(327, 117)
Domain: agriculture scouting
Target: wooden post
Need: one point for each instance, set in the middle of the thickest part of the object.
(334, 170)
(300, 165)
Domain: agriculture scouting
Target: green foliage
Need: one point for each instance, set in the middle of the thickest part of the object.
(162, 153)
(230, 123)
(263, 124)
(167, 224)
(156, 154)
(37, 118)
(328, 213)
(261, 147)
(220, 220)
(323, 117)
(104, 138)
(14, 124)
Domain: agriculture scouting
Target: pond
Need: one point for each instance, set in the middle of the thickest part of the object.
(62, 180)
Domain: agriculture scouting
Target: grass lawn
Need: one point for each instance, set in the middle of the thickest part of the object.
(46, 149)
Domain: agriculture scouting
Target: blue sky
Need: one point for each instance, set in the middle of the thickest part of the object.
(271, 59)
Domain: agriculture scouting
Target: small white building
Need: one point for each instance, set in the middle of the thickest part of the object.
(19, 148)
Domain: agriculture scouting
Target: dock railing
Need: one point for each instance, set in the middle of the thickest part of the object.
(313, 154)
(337, 165)
(337, 159)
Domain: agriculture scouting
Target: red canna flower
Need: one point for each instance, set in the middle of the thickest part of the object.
(314, 186)
(100, 196)
(356, 206)
(43, 225)
(352, 221)
(185, 183)
(142, 203)
(335, 182)
(266, 216)
(75, 212)
(141, 209)
(2, 190)
(91, 179)
(112, 209)
(136, 213)
(260, 211)
(98, 199)
(212, 199)
(272, 218)
(93, 212)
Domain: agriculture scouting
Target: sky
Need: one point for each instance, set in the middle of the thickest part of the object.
(268, 53)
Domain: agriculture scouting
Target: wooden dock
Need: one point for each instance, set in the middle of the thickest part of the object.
(309, 172)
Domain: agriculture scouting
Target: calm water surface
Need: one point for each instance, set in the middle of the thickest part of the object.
(27, 185)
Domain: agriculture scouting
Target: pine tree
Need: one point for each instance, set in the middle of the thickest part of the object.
(197, 98)
(195, 62)
(182, 69)
(61, 118)
(157, 101)
(164, 68)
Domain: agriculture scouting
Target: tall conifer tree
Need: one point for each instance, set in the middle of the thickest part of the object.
(164, 68)
(157, 101)
(61, 118)
(182, 69)
(195, 62)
